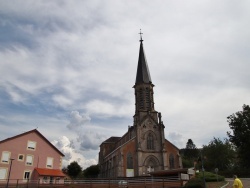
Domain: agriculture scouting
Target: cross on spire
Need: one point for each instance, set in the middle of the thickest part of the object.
(141, 36)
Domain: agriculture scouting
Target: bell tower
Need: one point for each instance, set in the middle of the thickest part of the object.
(150, 139)
(144, 99)
(143, 149)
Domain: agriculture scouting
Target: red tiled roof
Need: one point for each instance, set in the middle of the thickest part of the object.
(50, 172)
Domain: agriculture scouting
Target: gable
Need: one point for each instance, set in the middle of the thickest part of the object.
(30, 137)
(169, 144)
(148, 119)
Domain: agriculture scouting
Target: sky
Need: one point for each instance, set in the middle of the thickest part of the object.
(67, 69)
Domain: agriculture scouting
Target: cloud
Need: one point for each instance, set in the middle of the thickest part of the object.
(89, 136)
(177, 139)
(108, 108)
(91, 140)
(52, 64)
(67, 147)
(77, 120)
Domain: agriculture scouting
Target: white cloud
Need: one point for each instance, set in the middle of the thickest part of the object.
(177, 139)
(62, 100)
(77, 120)
(107, 108)
(91, 139)
(65, 145)
(52, 63)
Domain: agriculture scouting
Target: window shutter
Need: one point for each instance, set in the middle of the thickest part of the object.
(29, 160)
(49, 162)
(5, 157)
(3, 172)
(31, 145)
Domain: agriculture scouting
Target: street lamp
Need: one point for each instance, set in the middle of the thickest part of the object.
(200, 159)
(204, 182)
(9, 173)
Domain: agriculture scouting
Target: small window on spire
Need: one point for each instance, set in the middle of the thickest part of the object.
(147, 99)
(141, 99)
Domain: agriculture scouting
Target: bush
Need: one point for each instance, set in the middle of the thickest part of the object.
(210, 177)
(194, 183)
(197, 182)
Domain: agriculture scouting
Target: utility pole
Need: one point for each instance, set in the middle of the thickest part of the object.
(7, 185)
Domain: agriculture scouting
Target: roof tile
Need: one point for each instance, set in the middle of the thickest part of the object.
(50, 172)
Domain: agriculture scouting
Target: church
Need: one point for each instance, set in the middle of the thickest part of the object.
(143, 149)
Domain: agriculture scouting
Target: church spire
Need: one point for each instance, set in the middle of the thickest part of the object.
(143, 75)
(144, 100)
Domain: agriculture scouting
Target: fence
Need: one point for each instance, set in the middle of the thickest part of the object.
(146, 182)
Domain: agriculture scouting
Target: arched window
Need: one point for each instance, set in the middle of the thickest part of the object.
(129, 161)
(150, 141)
(171, 161)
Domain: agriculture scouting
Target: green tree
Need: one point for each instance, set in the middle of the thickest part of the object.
(190, 144)
(218, 154)
(74, 169)
(239, 123)
(91, 172)
(189, 154)
(65, 170)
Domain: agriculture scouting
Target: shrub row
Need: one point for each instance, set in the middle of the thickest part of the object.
(198, 181)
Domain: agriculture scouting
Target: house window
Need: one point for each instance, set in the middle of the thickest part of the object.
(57, 179)
(20, 157)
(3, 173)
(5, 157)
(31, 145)
(29, 160)
(150, 141)
(26, 175)
(49, 163)
(45, 179)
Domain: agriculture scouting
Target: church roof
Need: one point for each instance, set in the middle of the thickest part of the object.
(143, 75)
(172, 144)
(112, 139)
